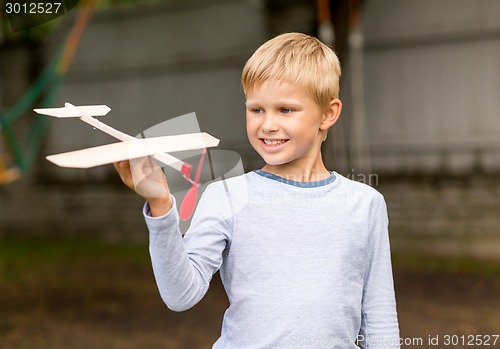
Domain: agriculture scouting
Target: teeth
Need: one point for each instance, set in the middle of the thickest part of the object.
(273, 142)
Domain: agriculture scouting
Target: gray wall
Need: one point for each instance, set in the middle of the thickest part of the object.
(432, 74)
(431, 77)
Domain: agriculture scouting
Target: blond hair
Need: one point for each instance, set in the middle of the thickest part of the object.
(297, 59)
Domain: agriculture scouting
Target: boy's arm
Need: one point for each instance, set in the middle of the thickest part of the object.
(379, 322)
(183, 268)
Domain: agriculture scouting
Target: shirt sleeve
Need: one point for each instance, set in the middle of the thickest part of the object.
(379, 323)
(184, 266)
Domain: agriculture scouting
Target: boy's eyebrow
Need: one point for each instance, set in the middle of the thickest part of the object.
(251, 103)
(283, 101)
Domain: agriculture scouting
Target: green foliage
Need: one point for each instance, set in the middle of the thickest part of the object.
(35, 35)
(21, 257)
(111, 3)
(38, 34)
(447, 265)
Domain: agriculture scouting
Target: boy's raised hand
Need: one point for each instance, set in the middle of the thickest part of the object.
(146, 178)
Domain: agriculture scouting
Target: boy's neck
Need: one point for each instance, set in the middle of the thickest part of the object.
(299, 174)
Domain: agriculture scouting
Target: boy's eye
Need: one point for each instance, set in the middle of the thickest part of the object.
(286, 110)
(256, 110)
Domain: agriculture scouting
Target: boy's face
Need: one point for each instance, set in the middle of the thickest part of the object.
(285, 125)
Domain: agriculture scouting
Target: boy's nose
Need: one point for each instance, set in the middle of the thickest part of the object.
(269, 124)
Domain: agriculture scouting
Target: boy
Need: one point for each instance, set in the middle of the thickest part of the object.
(303, 252)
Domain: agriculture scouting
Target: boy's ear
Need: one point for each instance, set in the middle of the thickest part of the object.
(331, 114)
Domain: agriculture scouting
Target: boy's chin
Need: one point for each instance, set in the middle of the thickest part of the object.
(274, 162)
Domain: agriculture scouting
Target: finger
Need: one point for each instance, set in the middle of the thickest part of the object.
(123, 170)
(148, 178)
(118, 165)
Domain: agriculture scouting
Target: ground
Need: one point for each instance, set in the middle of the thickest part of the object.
(86, 294)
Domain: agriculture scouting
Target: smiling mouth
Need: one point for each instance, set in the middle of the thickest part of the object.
(273, 141)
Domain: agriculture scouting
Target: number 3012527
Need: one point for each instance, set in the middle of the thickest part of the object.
(34, 8)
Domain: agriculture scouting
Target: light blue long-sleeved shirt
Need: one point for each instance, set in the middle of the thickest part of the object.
(304, 265)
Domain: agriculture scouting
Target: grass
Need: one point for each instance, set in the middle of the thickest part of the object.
(20, 256)
(447, 265)
(85, 294)
(68, 293)
(26, 255)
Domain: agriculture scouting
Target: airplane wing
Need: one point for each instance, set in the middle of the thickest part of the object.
(106, 154)
(74, 111)
(85, 112)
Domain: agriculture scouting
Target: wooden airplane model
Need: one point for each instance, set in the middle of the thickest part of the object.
(132, 148)
(129, 147)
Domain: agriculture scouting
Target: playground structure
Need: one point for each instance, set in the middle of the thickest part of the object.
(18, 153)
(8, 174)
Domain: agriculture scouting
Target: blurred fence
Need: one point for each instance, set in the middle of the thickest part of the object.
(431, 76)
